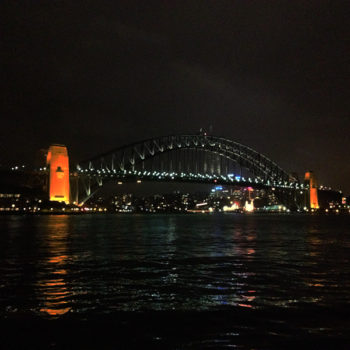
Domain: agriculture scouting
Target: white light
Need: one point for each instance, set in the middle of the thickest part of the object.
(249, 207)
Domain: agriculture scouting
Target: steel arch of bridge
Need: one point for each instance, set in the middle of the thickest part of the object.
(126, 157)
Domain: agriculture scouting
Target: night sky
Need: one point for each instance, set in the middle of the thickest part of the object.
(93, 75)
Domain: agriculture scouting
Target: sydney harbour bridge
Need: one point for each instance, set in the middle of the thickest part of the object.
(197, 158)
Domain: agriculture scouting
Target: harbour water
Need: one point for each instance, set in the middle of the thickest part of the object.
(175, 281)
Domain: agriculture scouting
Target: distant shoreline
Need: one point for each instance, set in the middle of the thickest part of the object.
(174, 213)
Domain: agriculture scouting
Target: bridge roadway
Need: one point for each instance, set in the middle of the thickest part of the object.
(102, 176)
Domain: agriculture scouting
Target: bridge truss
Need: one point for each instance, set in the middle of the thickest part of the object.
(187, 158)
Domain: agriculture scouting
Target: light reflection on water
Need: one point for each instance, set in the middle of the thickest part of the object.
(52, 288)
(56, 265)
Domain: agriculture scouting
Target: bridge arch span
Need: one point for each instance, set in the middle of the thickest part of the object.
(137, 154)
(186, 158)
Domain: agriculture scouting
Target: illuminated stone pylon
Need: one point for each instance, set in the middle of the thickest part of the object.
(310, 180)
(58, 164)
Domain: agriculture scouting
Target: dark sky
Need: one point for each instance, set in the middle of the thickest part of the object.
(273, 75)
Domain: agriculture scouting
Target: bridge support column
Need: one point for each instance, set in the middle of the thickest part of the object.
(74, 188)
(58, 163)
(312, 200)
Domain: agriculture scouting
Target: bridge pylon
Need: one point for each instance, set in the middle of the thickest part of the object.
(58, 164)
(312, 198)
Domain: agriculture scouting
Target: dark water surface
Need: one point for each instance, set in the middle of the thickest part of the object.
(175, 281)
